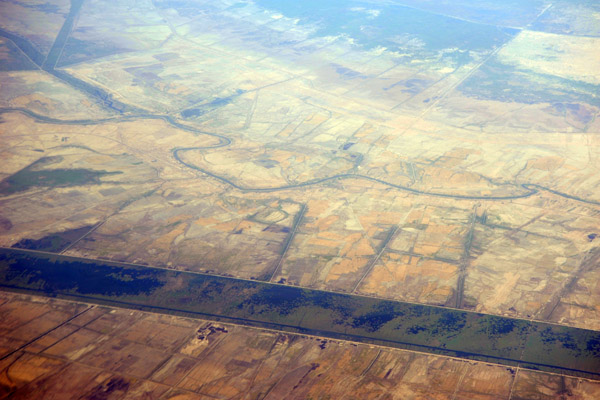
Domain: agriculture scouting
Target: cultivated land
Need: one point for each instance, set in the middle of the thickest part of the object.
(55, 346)
(446, 156)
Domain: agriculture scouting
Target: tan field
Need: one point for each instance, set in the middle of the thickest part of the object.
(443, 157)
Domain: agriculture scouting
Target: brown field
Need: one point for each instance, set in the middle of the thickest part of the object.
(413, 169)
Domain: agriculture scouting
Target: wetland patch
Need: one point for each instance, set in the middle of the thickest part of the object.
(53, 242)
(436, 330)
(36, 175)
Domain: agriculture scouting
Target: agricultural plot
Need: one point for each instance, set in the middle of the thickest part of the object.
(440, 154)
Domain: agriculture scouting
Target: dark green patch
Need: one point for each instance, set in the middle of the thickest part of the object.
(499, 326)
(374, 320)
(25, 45)
(579, 348)
(13, 59)
(451, 322)
(210, 106)
(54, 275)
(54, 242)
(390, 323)
(59, 43)
(275, 299)
(35, 176)
(77, 50)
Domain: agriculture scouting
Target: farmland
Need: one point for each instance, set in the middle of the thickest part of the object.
(387, 151)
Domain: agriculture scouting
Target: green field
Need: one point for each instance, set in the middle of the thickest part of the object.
(37, 175)
(430, 329)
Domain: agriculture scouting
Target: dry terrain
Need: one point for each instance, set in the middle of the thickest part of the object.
(392, 150)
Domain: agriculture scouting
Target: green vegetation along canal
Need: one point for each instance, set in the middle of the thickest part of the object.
(430, 329)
